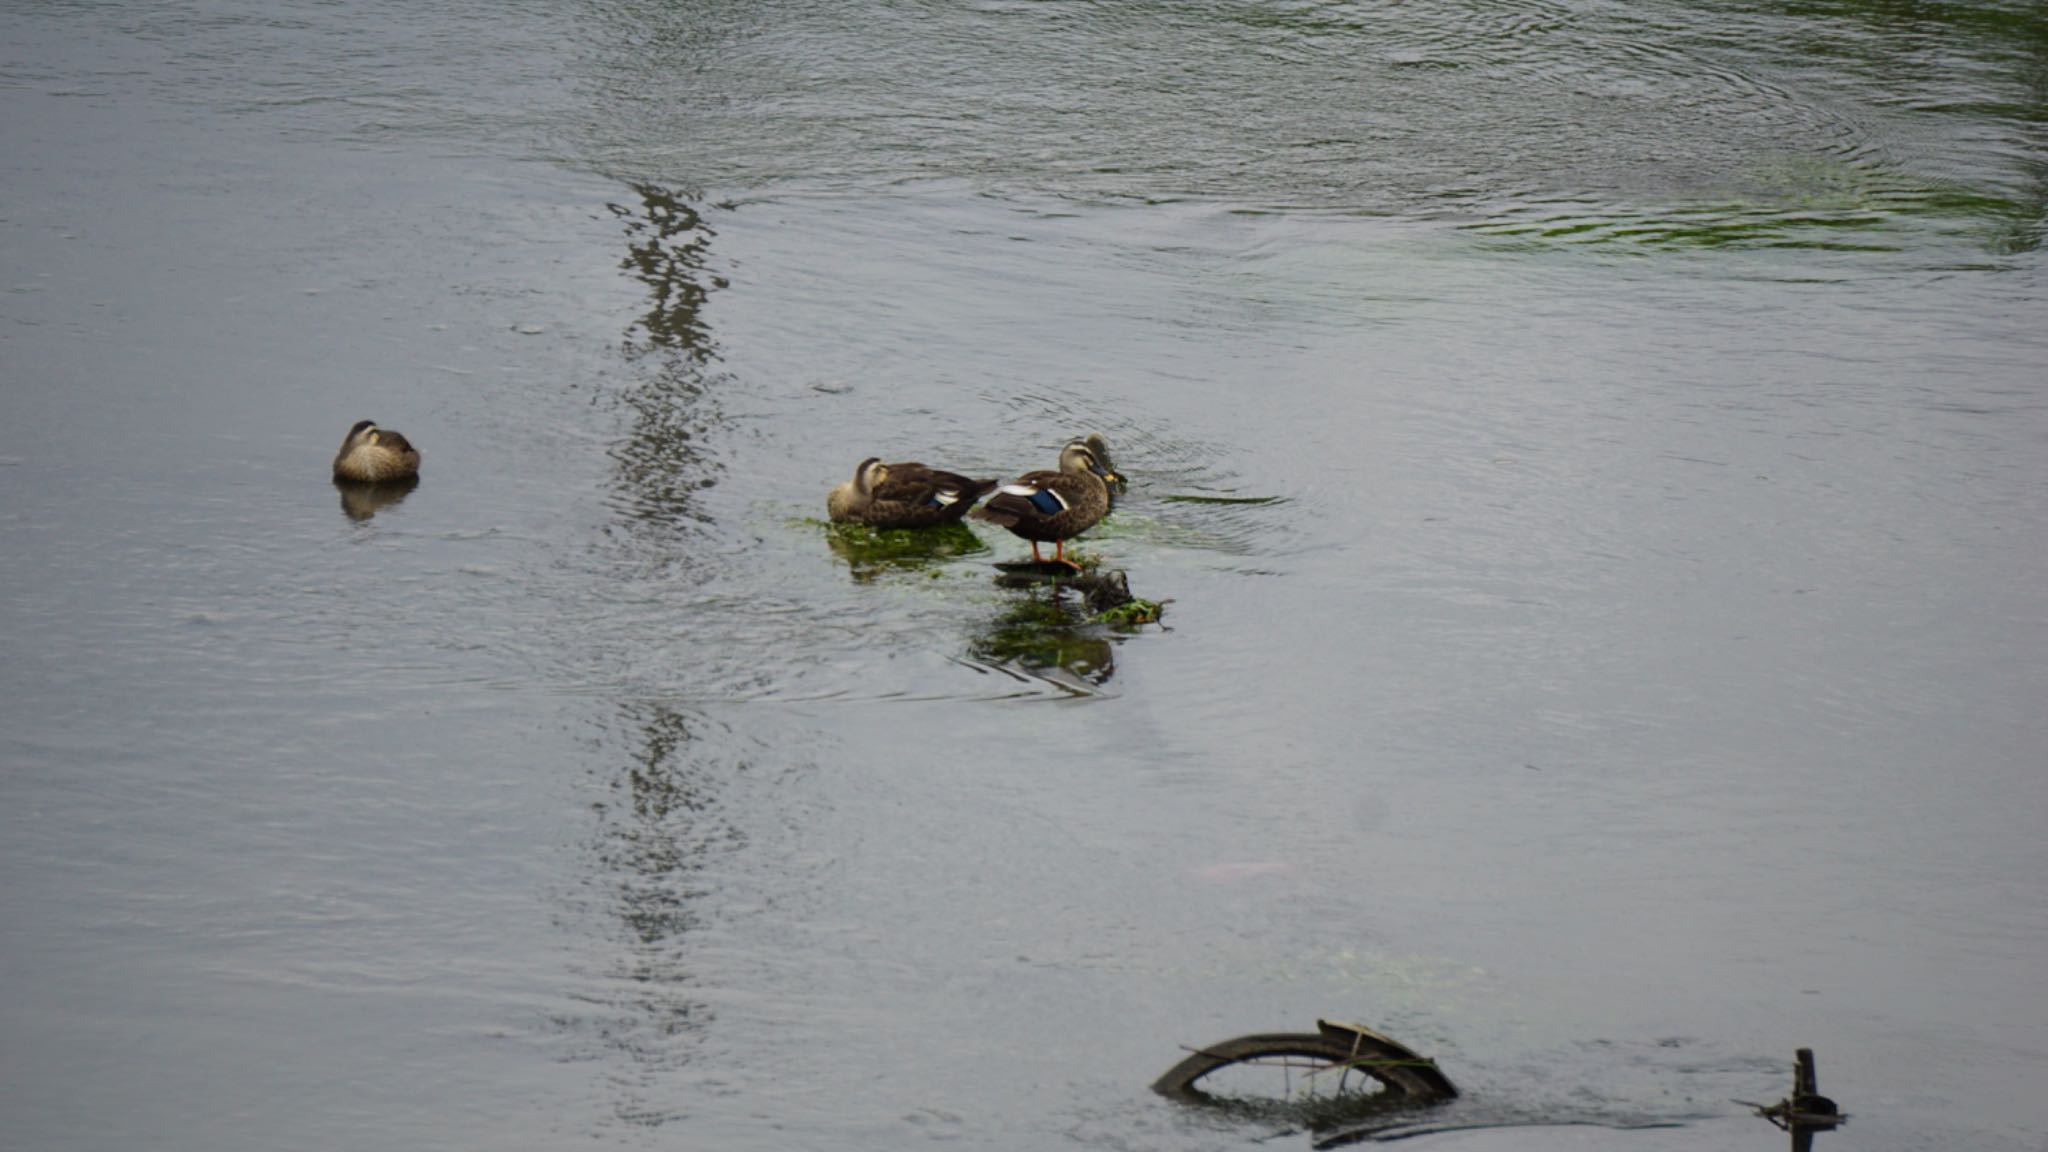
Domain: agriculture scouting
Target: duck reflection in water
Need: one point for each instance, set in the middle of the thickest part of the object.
(359, 502)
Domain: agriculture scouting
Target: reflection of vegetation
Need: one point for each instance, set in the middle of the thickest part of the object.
(662, 463)
(1715, 226)
(653, 839)
(361, 501)
(665, 251)
(1040, 633)
(1062, 629)
(1921, 47)
(1911, 51)
(1191, 499)
(658, 830)
(2002, 29)
(870, 552)
(2025, 232)
(658, 824)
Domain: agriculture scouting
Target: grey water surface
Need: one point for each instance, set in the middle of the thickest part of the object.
(1596, 455)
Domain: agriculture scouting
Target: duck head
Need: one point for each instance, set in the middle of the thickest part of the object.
(869, 475)
(1097, 450)
(1077, 457)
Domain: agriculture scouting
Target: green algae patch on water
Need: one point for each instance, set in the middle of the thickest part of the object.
(1131, 613)
(1019, 573)
(1042, 634)
(1106, 595)
(1780, 202)
(871, 552)
(1061, 626)
(1189, 498)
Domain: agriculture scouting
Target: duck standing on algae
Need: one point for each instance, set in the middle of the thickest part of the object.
(1055, 506)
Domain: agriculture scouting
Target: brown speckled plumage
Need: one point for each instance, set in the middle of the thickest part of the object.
(904, 495)
(1052, 507)
(373, 455)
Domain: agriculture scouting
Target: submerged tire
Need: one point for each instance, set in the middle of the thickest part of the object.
(1346, 1051)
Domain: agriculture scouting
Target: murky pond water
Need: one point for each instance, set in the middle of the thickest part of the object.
(1595, 455)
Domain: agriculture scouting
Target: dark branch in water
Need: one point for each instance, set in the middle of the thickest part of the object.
(1805, 1111)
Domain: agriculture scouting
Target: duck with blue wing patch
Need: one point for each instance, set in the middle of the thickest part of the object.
(904, 495)
(1053, 507)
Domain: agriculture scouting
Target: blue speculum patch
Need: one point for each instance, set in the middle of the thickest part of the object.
(1047, 502)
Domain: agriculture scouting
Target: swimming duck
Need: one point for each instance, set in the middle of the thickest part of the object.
(1053, 506)
(373, 455)
(904, 495)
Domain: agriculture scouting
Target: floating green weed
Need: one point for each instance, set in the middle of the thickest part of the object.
(1808, 202)
(1191, 499)
(1131, 613)
(1039, 633)
(869, 552)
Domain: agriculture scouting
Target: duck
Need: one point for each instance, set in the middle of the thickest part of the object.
(1116, 480)
(373, 455)
(904, 495)
(1053, 506)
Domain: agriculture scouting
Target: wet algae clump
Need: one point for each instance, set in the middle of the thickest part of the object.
(1060, 629)
(1040, 634)
(1107, 594)
(1065, 623)
(1131, 613)
(870, 552)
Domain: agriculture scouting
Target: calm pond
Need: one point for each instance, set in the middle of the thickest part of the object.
(1595, 455)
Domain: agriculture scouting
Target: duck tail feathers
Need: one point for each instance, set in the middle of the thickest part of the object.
(994, 514)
